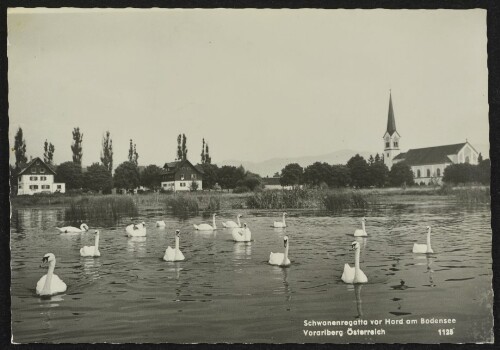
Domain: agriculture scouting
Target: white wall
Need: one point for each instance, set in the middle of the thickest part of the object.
(44, 183)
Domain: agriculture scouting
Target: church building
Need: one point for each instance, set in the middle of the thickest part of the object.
(427, 163)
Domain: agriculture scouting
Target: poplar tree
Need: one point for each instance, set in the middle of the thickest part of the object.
(179, 148)
(203, 152)
(76, 147)
(107, 152)
(48, 152)
(20, 148)
(184, 147)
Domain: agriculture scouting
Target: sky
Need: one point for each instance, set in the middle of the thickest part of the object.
(256, 84)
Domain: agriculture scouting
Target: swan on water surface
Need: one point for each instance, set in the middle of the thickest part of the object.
(280, 259)
(354, 274)
(50, 283)
(232, 224)
(279, 224)
(207, 227)
(136, 230)
(242, 234)
(92, 250)
(161, 223)
(424, 248)
(71, 229)
(174, 254)
(362, 231)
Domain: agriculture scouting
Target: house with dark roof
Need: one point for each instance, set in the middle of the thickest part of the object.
(181, 176)
(427, 163)
(38, 177)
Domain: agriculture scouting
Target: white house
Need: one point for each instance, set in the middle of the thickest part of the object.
(180, 176)
(38, 177)
(273, 183)
(427, 163)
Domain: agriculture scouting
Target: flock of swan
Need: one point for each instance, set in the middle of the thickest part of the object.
(51, 284)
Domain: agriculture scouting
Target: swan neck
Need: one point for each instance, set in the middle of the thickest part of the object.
(429, 239)
(356, 260)
(286, 252)
(48, 279)
(363, 225)
(284, 223)
(239, 223)
(213, 222)
(176, 243)
(96, 241)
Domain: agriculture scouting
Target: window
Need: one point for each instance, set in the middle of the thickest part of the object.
(438, 171)
(183, 184)
(59, 187)
(387, 155)
(418, 173)
(33, 170)
(182, 177)
(428, 172)
(387, 145)
(43, 178)
(33, 187)
(33, 178)
(467, 159)
(45, 187)
(165, 185)
(42, 170)
(20, 186)
(395, 143)
(193, 176)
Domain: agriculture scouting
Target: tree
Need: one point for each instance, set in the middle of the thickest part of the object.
(151, 177)
(133, 156)
(203, 152)
(107, 152)
(479, 158)
(210, 172)
(377, 158)
(48, 152)
(208, 159)
(401, 174)
(13, 179)
(291, 175)
(317, 173)
(360, 171)
(340, 176)
(184, 147)
(250, 180)
(20, 149)
(194, 186)
(484, 172)
(179, 147)
(98, 178)
(76, 147)
(379, 174)
(229, 176)
(126, 176)
(371, 160)
(70, 173)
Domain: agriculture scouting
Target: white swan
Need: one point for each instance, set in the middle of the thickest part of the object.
(160, 223)
(91, 250)
(136, 230)
(280, 224)
(50, 283)
(174, 254)
(232, 224)
(424, 248)
(71, 229)
(207, 227)
(361, 232)
(280, 259)
(354, 274)
(242, 234)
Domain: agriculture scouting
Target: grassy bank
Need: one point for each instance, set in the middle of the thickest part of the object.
(98, 208)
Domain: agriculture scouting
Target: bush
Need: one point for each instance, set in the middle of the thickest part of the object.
(241, 189)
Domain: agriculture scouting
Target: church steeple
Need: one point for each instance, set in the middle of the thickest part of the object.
(391, 137)
(391, 122)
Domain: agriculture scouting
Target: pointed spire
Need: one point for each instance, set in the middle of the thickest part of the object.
(391, 123)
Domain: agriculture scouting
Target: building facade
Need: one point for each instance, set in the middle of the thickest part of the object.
(180, 176)
(427, 163)
(38, 177)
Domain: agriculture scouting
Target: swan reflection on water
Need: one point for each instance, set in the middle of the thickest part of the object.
(242, 250)
(137, 245)
(281, 274)
(356, 288)
(428, 263)
(91, 267)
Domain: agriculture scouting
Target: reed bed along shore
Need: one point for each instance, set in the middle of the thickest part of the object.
(98, 208)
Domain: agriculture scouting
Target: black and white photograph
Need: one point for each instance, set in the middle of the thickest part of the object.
(249, 176)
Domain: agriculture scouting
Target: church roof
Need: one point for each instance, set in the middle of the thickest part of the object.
(391, 122)
(430, 155)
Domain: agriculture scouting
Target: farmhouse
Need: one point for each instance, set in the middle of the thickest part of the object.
(427, 163)
(38, 177)
(180, 176)
(273, 183)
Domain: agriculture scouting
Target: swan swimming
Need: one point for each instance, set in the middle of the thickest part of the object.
(207, 227)
(424, 248)
(50, 283)
(242, 234)
(91, 250)
(232, 224)
(136, 230)
(160, 223)
(280, 259)
(361, 232)
(354, 274)
(174, 254)
(71, 229)
(280, 224)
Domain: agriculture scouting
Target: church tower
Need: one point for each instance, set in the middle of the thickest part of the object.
(391, 137)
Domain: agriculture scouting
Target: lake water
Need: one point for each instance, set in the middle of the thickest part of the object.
(226, 291)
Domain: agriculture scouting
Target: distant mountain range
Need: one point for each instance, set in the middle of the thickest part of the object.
(271, 166)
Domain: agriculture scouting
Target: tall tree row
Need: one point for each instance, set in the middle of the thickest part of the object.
(48, 152)
(133, 156)
(107, 152)
(205, 153)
